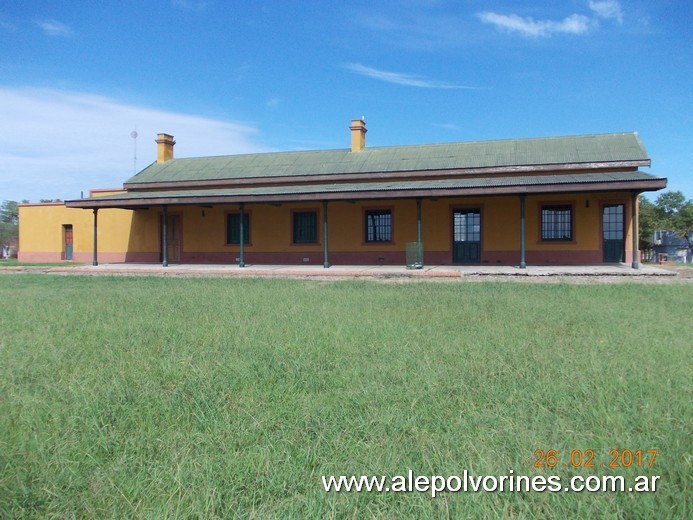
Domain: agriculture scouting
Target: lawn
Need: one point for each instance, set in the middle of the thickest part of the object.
(214, 398)
(13, 262)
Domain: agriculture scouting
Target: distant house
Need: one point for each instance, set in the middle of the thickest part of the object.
(671, 246)
(541, 201)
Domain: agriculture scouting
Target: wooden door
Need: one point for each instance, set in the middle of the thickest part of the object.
(173, 238)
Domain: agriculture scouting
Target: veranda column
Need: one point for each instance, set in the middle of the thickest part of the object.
(523, 263)
(241, 260)
(418, 221)
(164, 237)
(326, 262)
(636, 231)
(95, 260)
(419, 245)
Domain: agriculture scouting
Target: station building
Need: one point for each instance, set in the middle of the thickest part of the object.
(540, 201)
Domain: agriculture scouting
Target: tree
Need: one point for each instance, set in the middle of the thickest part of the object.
(9, 213)
(671, 211)
(648, 222)
(674, 212)
(9, 224)
(667, 207)
(684, 217)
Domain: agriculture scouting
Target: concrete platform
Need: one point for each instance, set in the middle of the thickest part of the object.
(624, 271)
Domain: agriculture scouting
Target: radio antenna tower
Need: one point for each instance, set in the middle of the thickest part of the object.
(133, 134)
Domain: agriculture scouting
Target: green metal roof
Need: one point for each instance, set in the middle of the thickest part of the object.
(597, 148)
(349, 191)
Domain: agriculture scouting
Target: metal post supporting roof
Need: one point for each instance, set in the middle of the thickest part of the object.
(418, 221)
(523, 263)
(636, 231)
(419, 244)
(326, 262)
(164, 237)
(241, 259)
(95, 260)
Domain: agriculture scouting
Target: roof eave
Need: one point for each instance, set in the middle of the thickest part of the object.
(641, 185)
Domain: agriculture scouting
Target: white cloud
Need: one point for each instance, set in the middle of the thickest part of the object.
(190, 5)
(573, 24)
(422, 27)
(54, 27)
(448, 126)
(273, 102)
(54, 144)
(400, 78)
(607, 9)
(528, 26)
(6, 25)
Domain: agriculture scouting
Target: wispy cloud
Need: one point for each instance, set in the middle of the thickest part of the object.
(190, 5)
(417, 27)
(447, 126)
(528, 26)
(607, 9)
(84, 141)
(273, 102)
(54, 27)
(573, 24)
(5, 24)
(400, 78)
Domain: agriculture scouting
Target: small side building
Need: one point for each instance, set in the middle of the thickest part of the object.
(669, 246)
(541, 201)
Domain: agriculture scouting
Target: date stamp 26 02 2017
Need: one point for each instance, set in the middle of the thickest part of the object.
(586, 458)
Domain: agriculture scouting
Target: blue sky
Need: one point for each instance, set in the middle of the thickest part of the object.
(226, 77)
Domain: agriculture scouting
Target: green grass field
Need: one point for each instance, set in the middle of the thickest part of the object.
(13, 262)
(153, 397)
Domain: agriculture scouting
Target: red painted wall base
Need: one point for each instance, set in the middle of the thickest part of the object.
(335, 258)
(34, 257)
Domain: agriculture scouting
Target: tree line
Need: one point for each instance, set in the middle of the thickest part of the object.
(671, 211)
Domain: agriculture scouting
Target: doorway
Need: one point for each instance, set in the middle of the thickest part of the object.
(172, 238)
(68, 241)
(612, 233)
(466, 236)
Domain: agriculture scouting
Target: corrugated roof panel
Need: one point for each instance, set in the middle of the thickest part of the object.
(480, 154)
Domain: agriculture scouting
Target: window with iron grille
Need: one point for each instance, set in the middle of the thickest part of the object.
(379, 225)
(556, 223)
(233, 231)
(305, 227)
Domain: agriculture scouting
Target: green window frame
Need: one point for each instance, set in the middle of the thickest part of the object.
(305, 227)
(467, 225)
(613, 222)
(378, 225)
(557, 223)
(233, 231)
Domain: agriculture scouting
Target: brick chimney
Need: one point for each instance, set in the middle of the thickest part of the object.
(358, 134)
(164, 150)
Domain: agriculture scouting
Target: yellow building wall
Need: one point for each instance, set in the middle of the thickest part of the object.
(204, 229)
(122, 235)
(127, 235)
